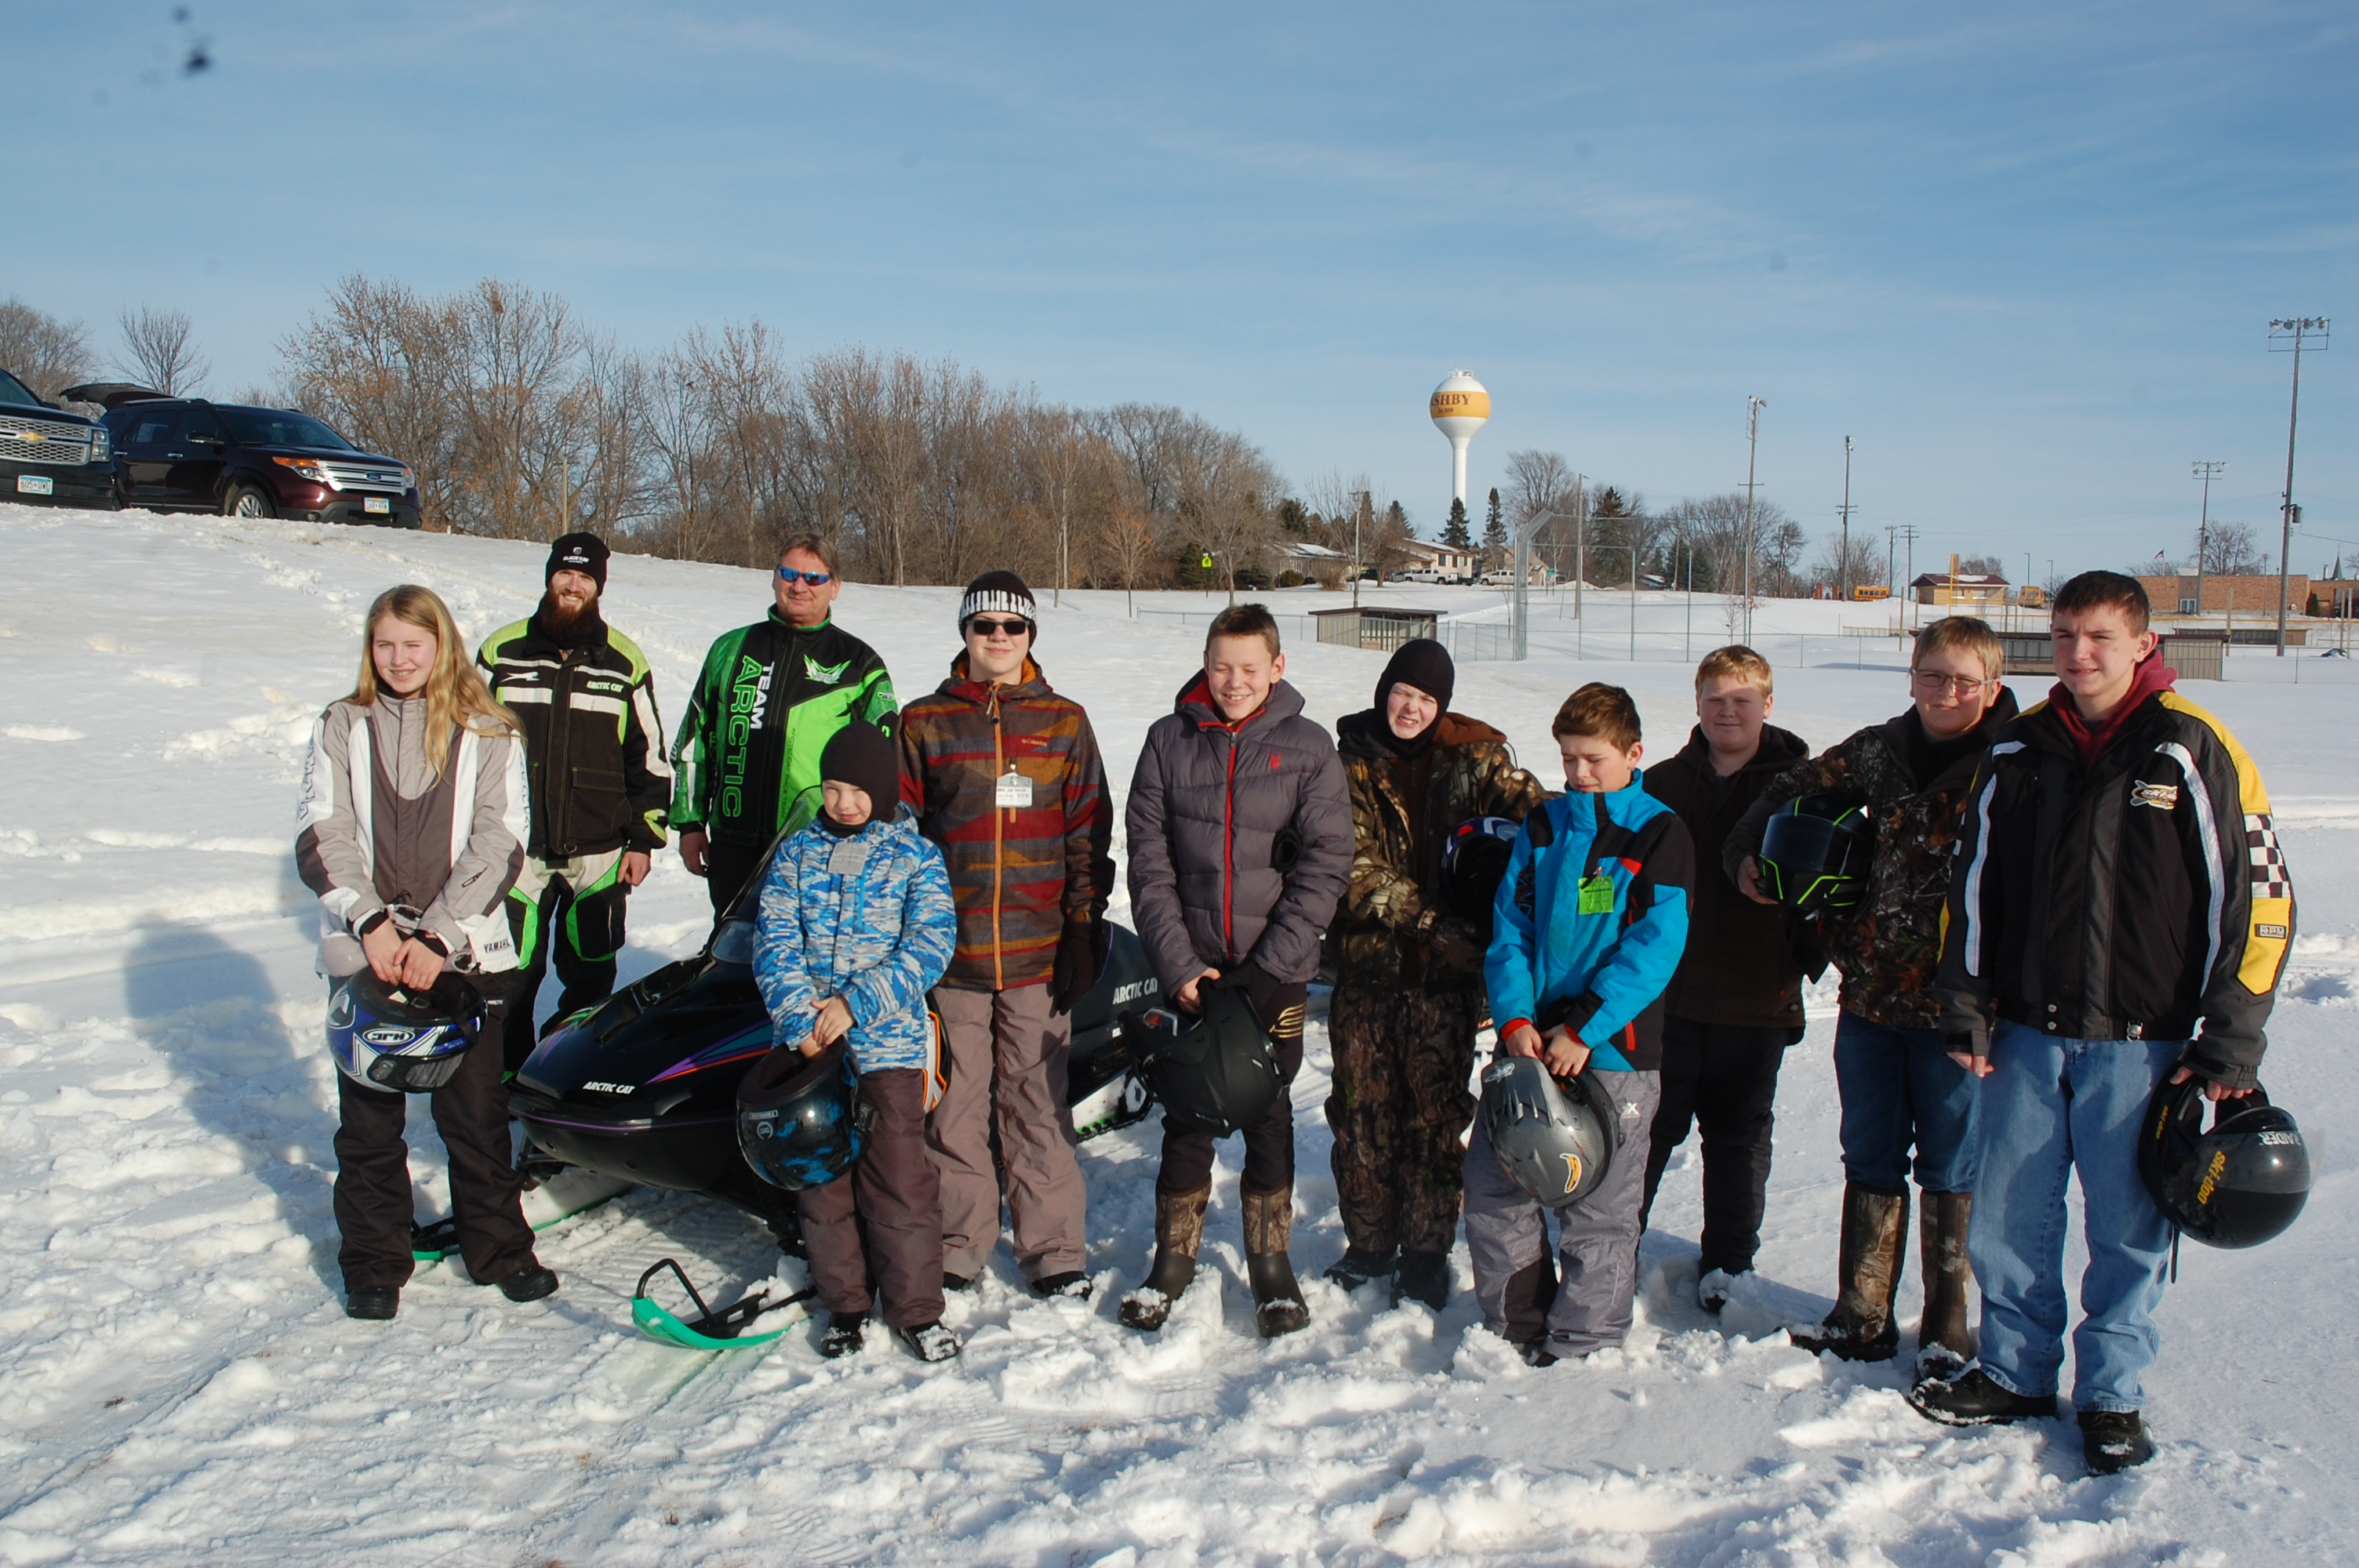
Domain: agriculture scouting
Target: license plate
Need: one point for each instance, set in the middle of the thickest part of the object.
(36, 484)
(376, 503)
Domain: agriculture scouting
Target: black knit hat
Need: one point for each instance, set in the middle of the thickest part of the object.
(1423, 663)
(997, 593)
(584, 553)
(863, 756)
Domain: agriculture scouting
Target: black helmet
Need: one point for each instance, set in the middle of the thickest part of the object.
(1815, 854)
(1554, 1137)
(796, 1119)
(1474, 863)
(1216, 1072)
(387, 1037)
(2236, 1185)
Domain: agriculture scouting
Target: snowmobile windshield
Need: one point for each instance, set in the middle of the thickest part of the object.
(734, 943)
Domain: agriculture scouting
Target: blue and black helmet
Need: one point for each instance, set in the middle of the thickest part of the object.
(387, 1037)
(1474, 863)
(796, 1118)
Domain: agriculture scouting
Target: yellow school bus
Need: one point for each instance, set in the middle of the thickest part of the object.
(1867, 593)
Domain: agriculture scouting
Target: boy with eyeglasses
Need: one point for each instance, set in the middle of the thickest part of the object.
(1898, 1085)
(767, 701)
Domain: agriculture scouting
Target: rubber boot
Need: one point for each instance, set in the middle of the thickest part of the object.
(1945, 1342)
(1179, 1232)
(1270, 1228)
(1874, 1239)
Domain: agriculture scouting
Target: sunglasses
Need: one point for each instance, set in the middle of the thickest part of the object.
(984, 626)
(790, 576)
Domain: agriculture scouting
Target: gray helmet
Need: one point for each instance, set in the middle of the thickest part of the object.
(1556, 1141)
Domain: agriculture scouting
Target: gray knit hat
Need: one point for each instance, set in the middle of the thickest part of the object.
(997, 593)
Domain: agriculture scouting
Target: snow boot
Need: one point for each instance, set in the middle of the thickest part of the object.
(1975, 1401)
(2113, 1441)
(1277, 1299)
(1072, 1284)
(1713, 1290)
(846, 1331)
(1874, 1238)
(1358, 1265)
(928, 1341)
(1944, 1341)
(1423, 1277)
(372, 1303)
(957, 1282)
(1179, 1232)
(529, 1283)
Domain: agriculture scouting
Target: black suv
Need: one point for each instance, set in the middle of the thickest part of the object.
(190, 455)
(50, 455)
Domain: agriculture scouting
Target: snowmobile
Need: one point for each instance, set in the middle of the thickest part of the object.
(643, 1087)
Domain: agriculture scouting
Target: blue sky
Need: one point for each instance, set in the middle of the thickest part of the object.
(2025, 256)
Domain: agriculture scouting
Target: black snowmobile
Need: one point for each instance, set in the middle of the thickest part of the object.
(643, 1087)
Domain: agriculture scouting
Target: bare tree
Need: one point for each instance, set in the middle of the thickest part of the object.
(46, 352)
(1130, 550)
(1834, 566)
(158, 351)
(380, 364)
(2230, 549)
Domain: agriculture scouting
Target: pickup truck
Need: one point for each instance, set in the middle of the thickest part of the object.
(48, 456)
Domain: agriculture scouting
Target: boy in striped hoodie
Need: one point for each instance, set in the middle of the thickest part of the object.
(1004, 778)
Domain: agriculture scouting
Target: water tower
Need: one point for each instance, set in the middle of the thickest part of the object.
(1460, 405)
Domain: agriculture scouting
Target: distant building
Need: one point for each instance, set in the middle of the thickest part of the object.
(2226, 595)
(1453, 564)
(1974, 590)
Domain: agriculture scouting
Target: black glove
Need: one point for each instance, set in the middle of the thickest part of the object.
(1081, 958)
(1245, 977)
(1454, 945)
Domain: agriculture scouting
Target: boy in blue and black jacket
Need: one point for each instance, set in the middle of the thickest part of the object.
(1590, 921)
(855, 925)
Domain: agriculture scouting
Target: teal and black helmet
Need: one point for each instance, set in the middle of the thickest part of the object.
(1815, 855)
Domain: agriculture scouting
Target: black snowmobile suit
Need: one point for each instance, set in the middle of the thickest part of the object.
(2133, 901)
(592, 739)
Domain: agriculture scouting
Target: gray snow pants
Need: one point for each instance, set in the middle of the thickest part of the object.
(1584, 1303)
(1007, 1053)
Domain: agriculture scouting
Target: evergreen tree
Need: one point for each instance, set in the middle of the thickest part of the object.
(1455, 532)
(1495, 532)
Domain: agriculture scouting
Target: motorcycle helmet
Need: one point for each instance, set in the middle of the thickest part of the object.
(1815, 854)
(1554, 1138)
(387, 1037)
(1474, 863)
(1216, 1072)
(2238, 1185)
(797, 1117)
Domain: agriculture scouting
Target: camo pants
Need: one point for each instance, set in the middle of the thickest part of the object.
(1399, 1110)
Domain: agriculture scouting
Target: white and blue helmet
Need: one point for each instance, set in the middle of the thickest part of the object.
(385, 1037)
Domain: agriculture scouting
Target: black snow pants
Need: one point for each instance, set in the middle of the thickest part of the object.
(1269, 1142)
(1722, 1077)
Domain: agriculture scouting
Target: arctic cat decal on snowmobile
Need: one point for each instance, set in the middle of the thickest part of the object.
(644, 1086)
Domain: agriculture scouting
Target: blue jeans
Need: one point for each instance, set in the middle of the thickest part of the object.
(1899, 1088)
(2052, 1110)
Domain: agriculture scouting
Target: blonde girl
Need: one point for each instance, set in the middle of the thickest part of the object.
(411, 831)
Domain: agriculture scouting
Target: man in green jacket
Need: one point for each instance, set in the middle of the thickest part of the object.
(767, 700)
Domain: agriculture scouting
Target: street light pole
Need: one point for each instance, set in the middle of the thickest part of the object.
(1754, 405)
(2291, 331)
(1842, 561)
(2207, 470)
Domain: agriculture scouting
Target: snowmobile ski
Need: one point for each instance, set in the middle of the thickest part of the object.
(709, 1329)
(558, 1196)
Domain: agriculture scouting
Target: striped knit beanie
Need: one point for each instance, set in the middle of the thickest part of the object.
(997, 593)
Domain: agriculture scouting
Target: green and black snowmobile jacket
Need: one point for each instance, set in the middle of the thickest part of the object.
(592, 736)
(768, 698)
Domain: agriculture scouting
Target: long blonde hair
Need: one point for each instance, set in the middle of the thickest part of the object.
(455, 694)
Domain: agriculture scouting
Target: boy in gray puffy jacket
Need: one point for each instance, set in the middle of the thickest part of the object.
(1239, 828)
(855, 925)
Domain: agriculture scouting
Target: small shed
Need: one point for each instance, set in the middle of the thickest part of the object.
(2196, 656)
(1980, 590)
(1381, 628)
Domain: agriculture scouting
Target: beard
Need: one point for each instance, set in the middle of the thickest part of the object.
(565, 619)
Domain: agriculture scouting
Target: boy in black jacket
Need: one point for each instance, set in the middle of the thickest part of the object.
(2119, 915)
(1736, 1001)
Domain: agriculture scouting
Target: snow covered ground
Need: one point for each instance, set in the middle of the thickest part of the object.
(178, 1382)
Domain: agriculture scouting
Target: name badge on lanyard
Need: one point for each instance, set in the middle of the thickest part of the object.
(1597, 894)
(847, 858)
(1015, 792)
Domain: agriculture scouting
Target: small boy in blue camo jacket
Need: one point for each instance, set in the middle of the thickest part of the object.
(855, 925)
(1590, 920)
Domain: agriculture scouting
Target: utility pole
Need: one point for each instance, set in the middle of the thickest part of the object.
(1754, 405)
(1359, 516)
(2291, 332)
(2207, 471)
(1842, 561)
(1907, 533)
(1580, 540)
